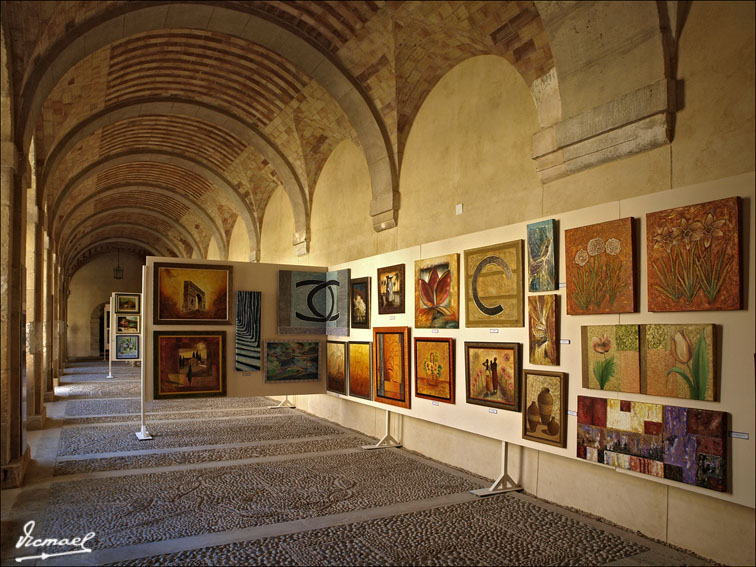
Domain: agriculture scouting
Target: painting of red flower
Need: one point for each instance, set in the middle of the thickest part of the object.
(437, 292)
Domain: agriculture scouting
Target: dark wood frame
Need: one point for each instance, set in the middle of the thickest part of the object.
(382, 310)
(564, 382)
(157, 320)
(452, 382)
(404, 332)
(156, 367)
(124, 336)
(352, 283)
(138, 303)
(139, 324)
(515, 349)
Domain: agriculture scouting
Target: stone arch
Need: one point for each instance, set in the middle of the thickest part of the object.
(96, 329)
(134, 18)
(166, 244)
(238, 249)
(159, 250)
(72, 259)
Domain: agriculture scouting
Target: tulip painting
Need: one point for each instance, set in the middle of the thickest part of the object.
(437, 292)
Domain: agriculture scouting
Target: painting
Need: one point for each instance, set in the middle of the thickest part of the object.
(493, 286)
(611, 358)
(492, 374)
(543, 311)
(248, 307)
(600, 268)
(127, 347)
(679, 361)
(693, 256)
(434, 369)
(359, 292)
(313, 303)
(292, 360)
(392, 366)
(391, 286)
(192, 294)
(360, 370)
(542, 254)
(127, 303)
(128, 324)
(544, 396)
(437, 292)
(189, 364)
(681, 444)
(336, 366)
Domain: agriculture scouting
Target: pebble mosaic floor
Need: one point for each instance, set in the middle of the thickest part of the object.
(227, 481)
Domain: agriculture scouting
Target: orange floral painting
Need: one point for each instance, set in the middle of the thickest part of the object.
(360, 371)
(336, 366)
(437, 292)
(434, 369)
(391, 355)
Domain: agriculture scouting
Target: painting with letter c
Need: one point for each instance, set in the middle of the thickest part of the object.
(493, 286)
(313, 303)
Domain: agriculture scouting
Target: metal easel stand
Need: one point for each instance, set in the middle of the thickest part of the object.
(502, 484)
(285, 403)
(387, 441)
(143, 434)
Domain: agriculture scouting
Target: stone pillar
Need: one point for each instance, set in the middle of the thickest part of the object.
(48, 318)
(35, 407)
(14, 451)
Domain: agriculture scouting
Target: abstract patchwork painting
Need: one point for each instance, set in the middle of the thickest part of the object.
(694, 257)
(542, 270)
(611, 358)
(313, 303)
(248, 330)
(682, 444)
(494, 286)
(543, 311)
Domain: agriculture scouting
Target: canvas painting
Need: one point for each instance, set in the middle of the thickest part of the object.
(127, 303)
(693, 256)
(248, 307)
(492, 374)
(391, 286)
(359, 293)
(679, 361)
(127, 324)
(544, 396)
(190, 364)
(360, 370)
(676, 443)
(313, 303)
(392, 366)
(127, 347)
(192, 294)
(434, 369)
(542, 254)
(543, 313)
(437, 292)
(493, 286)
(336, 365)
(611, 358)
(600, 268)
(292, 361)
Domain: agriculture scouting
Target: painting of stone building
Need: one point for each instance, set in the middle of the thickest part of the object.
(192, 294)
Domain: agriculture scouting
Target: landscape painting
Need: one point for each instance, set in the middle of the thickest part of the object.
(494, 286)
(693, 256)
(543, 311)
(127, 303)
(434, 369)
(127, 324)
(336, 366)
(492, 374)
(542, 268)
(127, 347)
(600, 268)
(392, 367)
(544, 397)
(292, 361)
(391, 286)
(359, 293)
(192, 294)
(437, 292)
(189, 364)
(248, 307)
(611, 358)
(360, 370)
(313, 303)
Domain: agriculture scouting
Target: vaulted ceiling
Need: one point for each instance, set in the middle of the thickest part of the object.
(157, 126)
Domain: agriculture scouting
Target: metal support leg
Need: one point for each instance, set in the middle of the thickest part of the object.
(387, 441)
(285, 403)
(502, 484)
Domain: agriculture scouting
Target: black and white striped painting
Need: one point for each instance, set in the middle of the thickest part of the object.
(247, 330)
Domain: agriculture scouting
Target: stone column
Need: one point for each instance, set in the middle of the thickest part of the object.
(48, 318)
(35, 407)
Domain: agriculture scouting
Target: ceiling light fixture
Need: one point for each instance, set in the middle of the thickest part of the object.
(118, 270)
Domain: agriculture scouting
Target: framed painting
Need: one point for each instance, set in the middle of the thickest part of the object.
(693, 256)
(391, 286)
(360, 370)
(543, 329)
(611, 358)
(189, 364)
(127, 347)
(128, 324)
(313, 303)
(493, 286)
(248, 349)
(681, 444)
(128, 303)
(434, 369)
(437, 292)
(192, 294)
(391, 353)
(359, 292)
(292, 360)
(492, 375)
(542, 255)
(336, 366)
(679, 361)
(544, 394)
(600, 268)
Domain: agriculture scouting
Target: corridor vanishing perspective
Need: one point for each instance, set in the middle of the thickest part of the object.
(234, 481)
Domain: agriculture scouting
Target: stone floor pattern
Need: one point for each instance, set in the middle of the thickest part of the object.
(229, 481)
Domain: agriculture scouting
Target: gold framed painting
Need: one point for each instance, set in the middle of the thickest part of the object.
(544, 400)
(494, 286)
(129, 324)
(336, 366)
(360, 369)
(192, 294)
(437, 292)
(492, 374)
(391, 354)
(434, 368)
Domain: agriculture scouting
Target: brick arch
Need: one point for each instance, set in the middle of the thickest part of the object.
(109, 245)
(156, 242)
(98, 249)
(130, 19)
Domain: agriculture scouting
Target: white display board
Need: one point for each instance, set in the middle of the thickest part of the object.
(130, 334)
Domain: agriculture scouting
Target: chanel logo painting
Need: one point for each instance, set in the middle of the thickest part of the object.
(313, 303)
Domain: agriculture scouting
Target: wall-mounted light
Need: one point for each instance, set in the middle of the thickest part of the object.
(118, 270)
